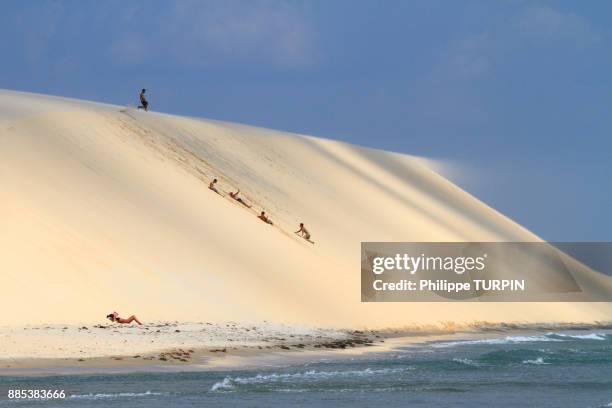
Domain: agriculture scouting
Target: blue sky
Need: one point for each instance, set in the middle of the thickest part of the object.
(514, 95)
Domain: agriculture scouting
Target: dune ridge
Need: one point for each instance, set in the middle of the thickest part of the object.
(106, 208)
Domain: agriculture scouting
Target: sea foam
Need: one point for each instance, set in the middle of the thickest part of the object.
(548, 337)
(92, 396)
(229, 383)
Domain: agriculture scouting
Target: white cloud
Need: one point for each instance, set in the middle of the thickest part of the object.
(544, 25)
(468, 57)
(197, 34)
(474, 55)
(130, 49)
(38, 23)
(451, 90)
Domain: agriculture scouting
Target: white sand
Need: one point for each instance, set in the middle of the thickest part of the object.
(163, 346)
(76, 341)
(103, 210)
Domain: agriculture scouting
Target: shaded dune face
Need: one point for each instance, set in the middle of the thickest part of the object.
(106, 209)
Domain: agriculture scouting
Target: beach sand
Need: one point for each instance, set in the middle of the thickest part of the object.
(174, 346)
(203, 345)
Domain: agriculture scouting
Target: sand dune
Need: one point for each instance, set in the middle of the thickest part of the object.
(107, 210)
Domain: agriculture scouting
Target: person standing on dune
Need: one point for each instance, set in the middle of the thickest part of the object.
(144, 104)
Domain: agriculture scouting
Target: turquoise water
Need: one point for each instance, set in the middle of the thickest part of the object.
(570, 369)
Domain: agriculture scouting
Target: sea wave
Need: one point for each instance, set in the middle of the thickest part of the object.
(537, 361)
(92, 396)
(548, 337)
(467, 362)
(501, 340)
(229, 383)
(224, 385)
(590, 336)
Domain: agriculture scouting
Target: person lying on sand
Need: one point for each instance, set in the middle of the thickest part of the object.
(265, 219)
(114, 317)
(235, 197)
(303, 232)
(212, 186)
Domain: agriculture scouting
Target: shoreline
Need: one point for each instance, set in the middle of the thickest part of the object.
(228, 346)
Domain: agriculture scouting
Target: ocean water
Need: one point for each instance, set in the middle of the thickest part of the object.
(569, 369)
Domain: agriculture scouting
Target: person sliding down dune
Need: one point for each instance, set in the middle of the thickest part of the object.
(144, 104)
(114, 317)
(265, 219)
(235, 197)
(212, 186)
(303, 232)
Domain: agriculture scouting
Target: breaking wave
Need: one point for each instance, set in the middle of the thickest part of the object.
(537, 361)
(548, 337)
(117, 395)
(229, 383)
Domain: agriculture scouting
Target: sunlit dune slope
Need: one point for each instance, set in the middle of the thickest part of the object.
(107, 209)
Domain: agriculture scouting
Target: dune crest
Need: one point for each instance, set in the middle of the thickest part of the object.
(108, 209)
